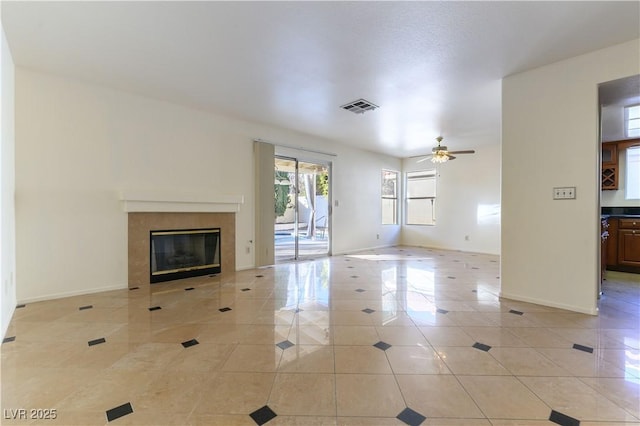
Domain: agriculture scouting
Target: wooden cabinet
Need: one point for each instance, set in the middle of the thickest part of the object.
(629, 242)
(610, 165)
(612, 242)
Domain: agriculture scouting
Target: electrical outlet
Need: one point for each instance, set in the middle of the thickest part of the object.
(564, 193)
(466, 238)
(377, 236)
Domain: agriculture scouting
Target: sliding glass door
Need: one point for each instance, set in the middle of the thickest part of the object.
(301, 209)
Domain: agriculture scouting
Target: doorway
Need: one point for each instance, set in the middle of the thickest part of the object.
(619, 152)
(302, 200)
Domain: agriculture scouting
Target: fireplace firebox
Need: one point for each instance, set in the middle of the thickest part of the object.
(184, 253)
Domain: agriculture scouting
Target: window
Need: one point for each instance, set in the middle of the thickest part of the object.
(632, 182)
(421, 198)
(632, 121)
(389, 197)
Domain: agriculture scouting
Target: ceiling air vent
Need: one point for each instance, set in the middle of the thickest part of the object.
(359, 106)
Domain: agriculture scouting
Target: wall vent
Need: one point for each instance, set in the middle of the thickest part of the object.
(360, 106)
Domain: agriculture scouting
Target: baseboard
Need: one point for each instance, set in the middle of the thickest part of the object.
(5, 327)
(354, 251)
(245, 268)
(62, 295)
(449, 249)
(548, 303)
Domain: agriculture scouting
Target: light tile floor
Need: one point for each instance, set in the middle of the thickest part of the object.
(392, 336)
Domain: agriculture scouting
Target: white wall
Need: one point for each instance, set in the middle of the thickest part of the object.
(550, 249)
(7, 204)
(467, 189)
(355, 184)
(78, 145)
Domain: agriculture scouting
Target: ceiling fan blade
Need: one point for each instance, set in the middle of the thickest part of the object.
(451, 157)
(425, 158)
(468, 151)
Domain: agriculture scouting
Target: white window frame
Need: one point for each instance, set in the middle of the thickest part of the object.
(632, 121)
(632, 173)
(384, 198)
(429, 198)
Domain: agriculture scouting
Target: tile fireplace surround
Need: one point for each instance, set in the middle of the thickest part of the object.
(140, 224)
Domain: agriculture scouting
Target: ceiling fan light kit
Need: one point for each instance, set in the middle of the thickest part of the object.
(440, 154)
(439, 157)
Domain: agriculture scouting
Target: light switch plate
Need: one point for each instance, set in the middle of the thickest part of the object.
(564, 193)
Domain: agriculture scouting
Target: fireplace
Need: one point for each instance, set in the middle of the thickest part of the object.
(140, 225)
(183, 253)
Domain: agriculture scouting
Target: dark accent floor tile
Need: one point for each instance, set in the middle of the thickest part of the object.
(474, 291)
(225, 309)
(122, 410)
(481, 346)
(513, 311)
(154, 308)
(583, 348)
(189, 343)
(134, 288)
(442, 311)
(410, 417)
(452, 278)
(360, 290)
(96, 341)
(189, 289)
(8, 339)
(259, 276)
(354, 276)
(474, 267)
(285, 344)
(213, 275)
(82, 308)
(562, 419)
(245, 289)
(382, 345)
(350, 267)
(263, 415)
(368, 311)
(20, 306)
(298, 310)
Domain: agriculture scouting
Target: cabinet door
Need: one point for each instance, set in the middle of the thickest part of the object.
(610, 165)
(612, 242)
(628, 247)
(609, 154)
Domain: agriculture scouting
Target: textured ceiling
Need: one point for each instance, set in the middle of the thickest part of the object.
(432, 67)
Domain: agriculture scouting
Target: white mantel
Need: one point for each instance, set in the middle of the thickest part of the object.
(179, 201)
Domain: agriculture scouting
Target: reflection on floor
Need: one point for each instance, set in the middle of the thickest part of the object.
(396, 336)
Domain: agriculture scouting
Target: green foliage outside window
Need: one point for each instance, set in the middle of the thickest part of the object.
(281, 193)
(322, 184)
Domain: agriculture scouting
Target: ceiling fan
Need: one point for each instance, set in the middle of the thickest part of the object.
(440, 154)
